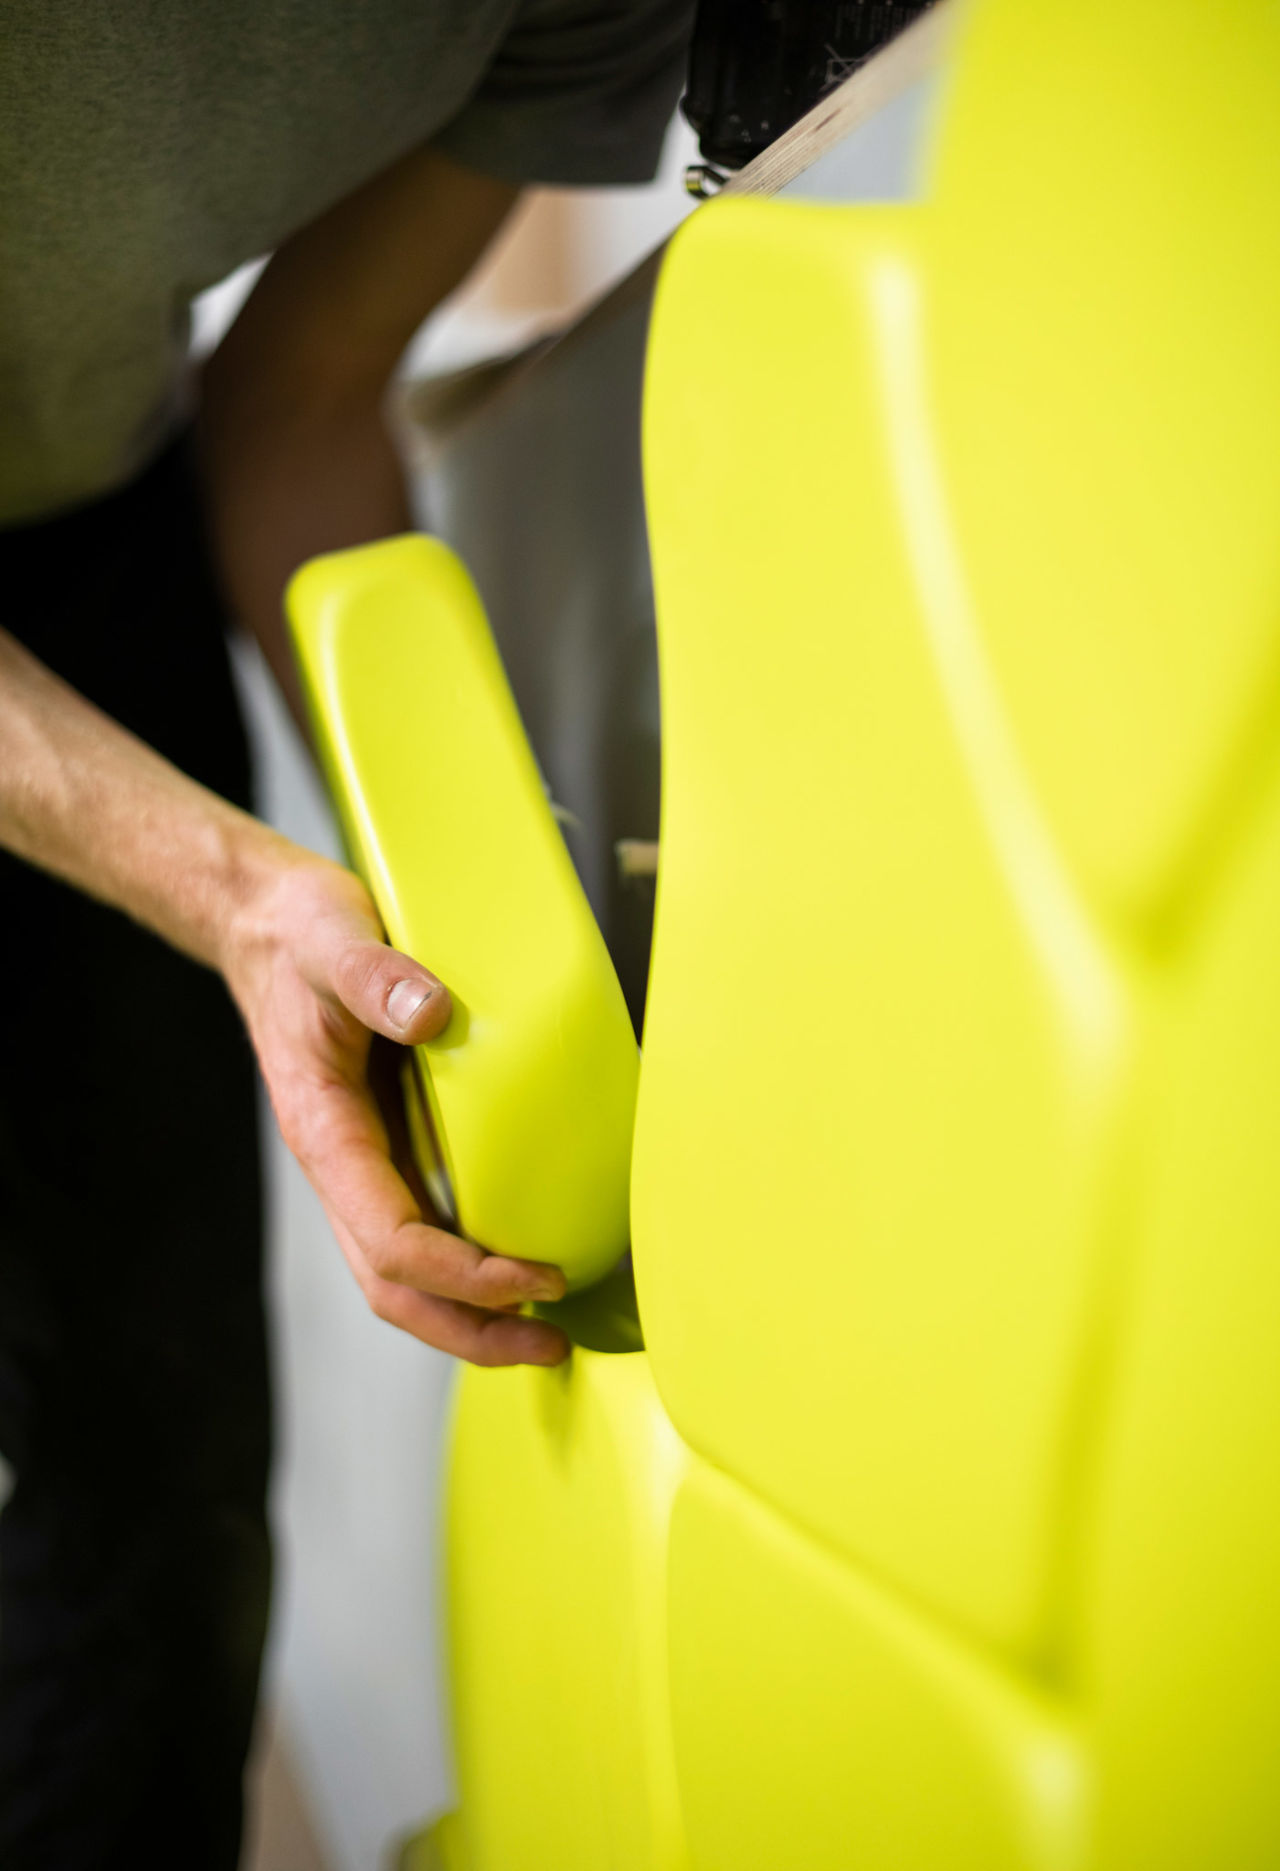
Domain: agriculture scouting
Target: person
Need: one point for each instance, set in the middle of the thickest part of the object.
(157, 938)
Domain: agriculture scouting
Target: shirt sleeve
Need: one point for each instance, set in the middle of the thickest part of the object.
(579, 91)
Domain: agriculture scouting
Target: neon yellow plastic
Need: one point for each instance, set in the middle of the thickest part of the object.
(532, 1084)
(559, 1501)
(1180, 1616)
(918, 719)
(1102, 289)
(938, 1526)
(819, 1721)
(853, 864)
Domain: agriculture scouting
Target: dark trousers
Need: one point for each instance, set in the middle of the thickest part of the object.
(134, 1408)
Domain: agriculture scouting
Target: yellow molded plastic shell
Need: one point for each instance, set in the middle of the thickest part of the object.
(560, 1493)
(849, 847)
(818, 1721)
(937, 1526)
(532, 1084)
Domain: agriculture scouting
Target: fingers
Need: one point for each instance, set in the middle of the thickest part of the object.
(389, 993)
(340, 1142)
(321, 920)
(390, 1077)
(488, 1338)
(314, 989)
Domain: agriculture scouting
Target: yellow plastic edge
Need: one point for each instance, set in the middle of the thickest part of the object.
(533, 1083)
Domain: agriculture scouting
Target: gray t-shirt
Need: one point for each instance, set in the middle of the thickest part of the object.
(147, 147)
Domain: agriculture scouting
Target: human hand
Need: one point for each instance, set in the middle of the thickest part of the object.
(308, 966)
(299, 943)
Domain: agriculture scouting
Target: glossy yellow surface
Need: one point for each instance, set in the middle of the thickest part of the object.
(820, 1722)
(1179, 1613)
(942, 692)
(559, 1501)
(1099, 296)
(967, 699)
(938, 1526)
(532, 1084)
(855, 881)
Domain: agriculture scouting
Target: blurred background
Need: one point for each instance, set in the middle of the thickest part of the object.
(353, 1750)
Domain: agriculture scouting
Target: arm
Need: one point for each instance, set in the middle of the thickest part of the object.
(297, 938)
(298, 459)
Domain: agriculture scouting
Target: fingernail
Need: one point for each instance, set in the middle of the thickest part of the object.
(546, 1292)
(404, 1000)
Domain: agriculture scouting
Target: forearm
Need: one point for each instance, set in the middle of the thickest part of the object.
(297, 454)
(83, 798)
(288, 476)
(297, 461)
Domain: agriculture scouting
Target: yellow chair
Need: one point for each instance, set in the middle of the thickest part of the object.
(530, 1090)
(936, 1527)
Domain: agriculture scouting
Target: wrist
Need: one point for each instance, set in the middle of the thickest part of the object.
(248, 866)
(288, 907)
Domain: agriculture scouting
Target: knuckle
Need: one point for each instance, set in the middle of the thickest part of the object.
(487, 1346)
(387, 1257)
(307, 1148)
(307, 1121)
(295, 1133)
(357, 972)
(490, 1283)
(382, 1298)
(487, 1357)
(381, 1260)
(381, 1305)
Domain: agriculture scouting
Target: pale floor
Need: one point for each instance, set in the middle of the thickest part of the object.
(280, 1834)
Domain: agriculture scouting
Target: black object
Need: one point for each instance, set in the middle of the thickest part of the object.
(134, 1406)
(756, 66)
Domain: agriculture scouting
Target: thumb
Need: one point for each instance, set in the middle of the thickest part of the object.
(389, 993)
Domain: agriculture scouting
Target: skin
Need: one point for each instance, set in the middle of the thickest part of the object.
(298, 460)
